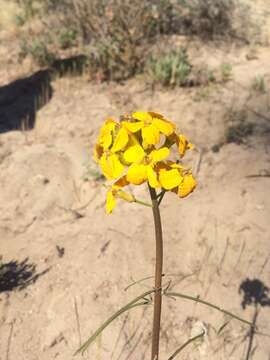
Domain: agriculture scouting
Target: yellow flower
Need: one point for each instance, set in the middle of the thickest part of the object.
(151, 125)
(130, 150)
(120, 141)
(112, 140)
(181, 141)
(143, 168)
(111, 166)
(175, 178)
(117, 192)
(187, 185)
(134, 153)
(169, 174)
(170, 179)
(183, 144)
(105, 138)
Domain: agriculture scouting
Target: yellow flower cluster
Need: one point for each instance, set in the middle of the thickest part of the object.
(136, 150)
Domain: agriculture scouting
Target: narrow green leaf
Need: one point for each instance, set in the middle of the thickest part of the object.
(129, 306)
(198, 300)
(186, 344)
(222, 327)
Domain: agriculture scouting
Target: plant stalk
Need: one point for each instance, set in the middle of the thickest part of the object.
(158, 275)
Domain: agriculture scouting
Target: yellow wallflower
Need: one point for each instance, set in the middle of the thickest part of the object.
(111, 166)
(120, 140)
(144, 169)
(183, 144)
(187, 185)
(105, 138)
(116, 192)
(181, 141)
(151, 125)
(112, 140)
(130, 150)
(176, 178)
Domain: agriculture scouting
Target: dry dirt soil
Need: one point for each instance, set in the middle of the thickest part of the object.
(65, 265)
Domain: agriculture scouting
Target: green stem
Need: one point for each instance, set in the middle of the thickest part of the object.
(194, 338)
(142, 203)
(198, 300)
(158, 275)
(127, 307)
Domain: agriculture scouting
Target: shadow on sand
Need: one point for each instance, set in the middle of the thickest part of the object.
(21, 99)
(16, 275)
(255, 293)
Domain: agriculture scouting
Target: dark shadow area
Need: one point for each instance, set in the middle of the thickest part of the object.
(254, 293)
(21, 99)
(257, 294)
(16, 275)
(72, 66)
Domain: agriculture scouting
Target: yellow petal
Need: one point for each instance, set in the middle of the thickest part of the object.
(133, 154)
(137, 174)
(150, 135)
(183, 145)
(105, 136)
(152, 177)
(142, 116)
(164, 126)
(110, 202)
(133, 126)
(111, 166)
(109, 125)
(187, 185)
(120, 141)
(160, 154)
(169, 179)
(105, 140)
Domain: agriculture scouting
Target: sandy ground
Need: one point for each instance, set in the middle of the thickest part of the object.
(65, 264)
